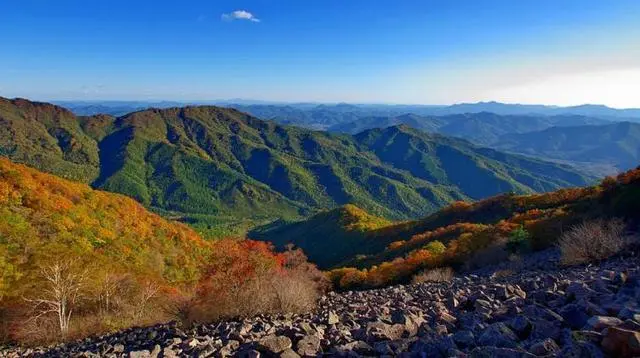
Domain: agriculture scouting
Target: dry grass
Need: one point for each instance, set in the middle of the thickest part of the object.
(442, 274)
(294, 289)
(592, 241)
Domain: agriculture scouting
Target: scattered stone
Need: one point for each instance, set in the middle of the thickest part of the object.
(140, 354)
(582, 311)
(545, 347)
(289, 353)
(274, 344)
(621, 342)
(574, 316)
(464, 339)
(495, 352)
(308, 346)
(598, 323)
(333, 318)
(498, 335)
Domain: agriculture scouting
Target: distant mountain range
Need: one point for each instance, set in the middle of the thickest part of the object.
(321, 116)
(207, 164)
(614, 143)
(484, 123)
(483, 128)
(599, 145)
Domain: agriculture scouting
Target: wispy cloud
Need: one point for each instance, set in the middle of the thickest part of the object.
(240, 15)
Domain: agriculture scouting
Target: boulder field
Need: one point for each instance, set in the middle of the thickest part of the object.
(541, 310)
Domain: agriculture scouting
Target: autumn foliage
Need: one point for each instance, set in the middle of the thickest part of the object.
(490, 230)
(118, 264)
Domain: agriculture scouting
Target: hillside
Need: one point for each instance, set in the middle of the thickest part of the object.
(328, 237)
(207, 165)
(45, 218)
(486, 128)
(476, 172)
(386, 254)
(75, 261)
(48, 137)
(617, 144)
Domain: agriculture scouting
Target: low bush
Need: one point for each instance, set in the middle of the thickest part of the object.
(442, 274)
(518, 241)
(592, 241)
(66, 301)
(288, 284)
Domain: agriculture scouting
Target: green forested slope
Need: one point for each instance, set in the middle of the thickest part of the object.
(215, 164)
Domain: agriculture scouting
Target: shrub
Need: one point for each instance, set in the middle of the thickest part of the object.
(284, 284)
(436, 247)
(519, 240)
(442, 274)
(592, 241)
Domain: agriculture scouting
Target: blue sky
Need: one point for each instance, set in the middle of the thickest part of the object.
(433, 52)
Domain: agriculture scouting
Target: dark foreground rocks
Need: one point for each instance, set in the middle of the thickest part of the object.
(588, 311)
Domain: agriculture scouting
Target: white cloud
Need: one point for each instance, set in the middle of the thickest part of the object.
(240, 15)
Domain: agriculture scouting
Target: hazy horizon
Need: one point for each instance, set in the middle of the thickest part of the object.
(250, 101)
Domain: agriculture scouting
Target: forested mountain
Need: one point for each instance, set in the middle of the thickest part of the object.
(323, 116)
(205, 162)
(113, 108)
(345, 117)
(483, 128)
(616, 144)
(486, 128)
(75, 261)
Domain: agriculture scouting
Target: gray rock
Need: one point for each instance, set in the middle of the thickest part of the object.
(574, 316)
(521, 326)
(140, 354)
(289, 353)
(498, 335)
(274, 344)
(378, 331)
(358, 347)
(496, 352)
(544, 329)
(621, 342)
(333, 318)
(545, 347)
(118, 348)
(464, 339)
(598, 323)
(308, 346)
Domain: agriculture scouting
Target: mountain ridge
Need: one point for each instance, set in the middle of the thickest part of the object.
(206, 160)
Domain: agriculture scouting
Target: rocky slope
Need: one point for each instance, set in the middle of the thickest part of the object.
(586, 311)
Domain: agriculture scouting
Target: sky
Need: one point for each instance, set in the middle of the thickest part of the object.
(560, 52)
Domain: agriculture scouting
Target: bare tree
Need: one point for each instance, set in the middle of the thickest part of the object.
(110, 288)
(60, 293)
(149, 291)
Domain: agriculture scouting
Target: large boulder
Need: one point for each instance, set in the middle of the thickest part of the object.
(621, 342)
(274, 344)
(308, 346)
